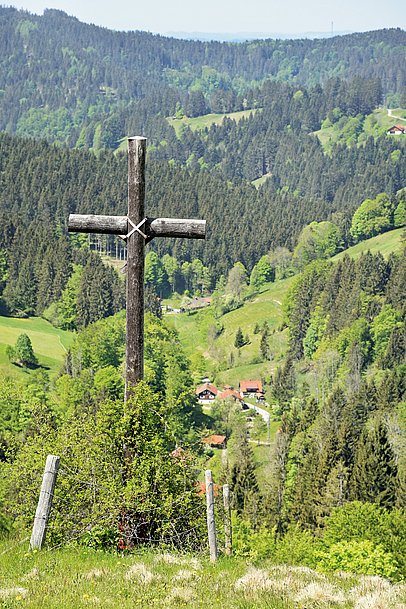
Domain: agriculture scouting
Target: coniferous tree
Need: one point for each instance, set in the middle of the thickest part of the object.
(375, 475)
(244, 484)
(239, 339)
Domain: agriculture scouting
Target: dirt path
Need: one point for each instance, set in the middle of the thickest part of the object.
(399, 118)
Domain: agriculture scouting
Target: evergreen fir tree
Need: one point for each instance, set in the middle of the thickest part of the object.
(375, 474)
(244, 484)
(239, 339)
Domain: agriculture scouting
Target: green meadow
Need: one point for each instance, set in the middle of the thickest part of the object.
(199, 123)
(50, 344)
(236, 364)
(386, 243)
(228, 365)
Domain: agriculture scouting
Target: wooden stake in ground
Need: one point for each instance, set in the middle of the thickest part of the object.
(228, 538)
(211, 522)
(44, 502)
(138, 230)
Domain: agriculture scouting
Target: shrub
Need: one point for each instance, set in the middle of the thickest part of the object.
(248, 543)
(360, 556)
(297, 547)
(358, 522)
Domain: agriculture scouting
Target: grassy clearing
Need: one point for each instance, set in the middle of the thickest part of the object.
(49, 343)
(262, 458)
(232, 364)
(351, 130)
(399, 113)
(259, 181)
(115, 263)
(199, 123)
(387, 243)
(78, 578)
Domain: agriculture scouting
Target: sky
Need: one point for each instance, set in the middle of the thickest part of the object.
(230, 16)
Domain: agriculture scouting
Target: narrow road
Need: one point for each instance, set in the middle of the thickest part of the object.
(399, 118)
(264, 414)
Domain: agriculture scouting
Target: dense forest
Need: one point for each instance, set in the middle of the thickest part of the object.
(61, 181)
(86, 85)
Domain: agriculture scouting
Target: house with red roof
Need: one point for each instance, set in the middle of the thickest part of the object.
(229, 393)
(215, 441)
(206, 393)
(396, 130)
(250, 388)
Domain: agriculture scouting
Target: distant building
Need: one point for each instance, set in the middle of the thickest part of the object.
(396, 130)
(195, 304)
(250, 388)
(206, 393)
(215, 441)
(228, 393)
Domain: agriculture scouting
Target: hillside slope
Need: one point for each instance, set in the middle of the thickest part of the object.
(50, 344)
(65, 73)
(228, 364)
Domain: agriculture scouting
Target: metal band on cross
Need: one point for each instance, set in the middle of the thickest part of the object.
(130, 227)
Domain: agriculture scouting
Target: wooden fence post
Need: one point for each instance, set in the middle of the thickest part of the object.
(211, 523)
(44, 502)
(228, 536)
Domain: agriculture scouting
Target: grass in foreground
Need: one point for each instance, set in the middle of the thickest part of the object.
(76, 578)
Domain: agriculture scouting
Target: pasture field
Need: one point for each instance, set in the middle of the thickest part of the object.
(386, 243)
(225, 363)
(50, 344)
(350, 129)
(78, 578)
(199, 123)
(235, 364)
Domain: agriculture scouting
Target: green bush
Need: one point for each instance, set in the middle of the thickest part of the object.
(297, 547)
(251, 544)
(357, 521)
(360, 556)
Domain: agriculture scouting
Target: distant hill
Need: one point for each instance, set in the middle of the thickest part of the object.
(243, 36)
(264, 306)
(58, 75)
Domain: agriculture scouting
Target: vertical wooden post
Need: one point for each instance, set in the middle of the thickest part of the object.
(228, 537)
(44, 502)
(135, 264)
(211, 523)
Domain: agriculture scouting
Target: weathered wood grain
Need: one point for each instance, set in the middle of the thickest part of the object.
(228, 540)
(153, 227)
(44, 502)
(211, 522)
(135, 265)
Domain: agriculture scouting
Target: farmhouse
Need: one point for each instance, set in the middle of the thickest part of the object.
(215, 441)
(206, 393)
(229, 392)
(396, 130)
(251, 388)
(195, 304)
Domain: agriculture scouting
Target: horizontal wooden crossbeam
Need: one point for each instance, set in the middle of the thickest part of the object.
(153, 227)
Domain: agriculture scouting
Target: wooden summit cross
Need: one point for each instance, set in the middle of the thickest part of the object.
(137, 229)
